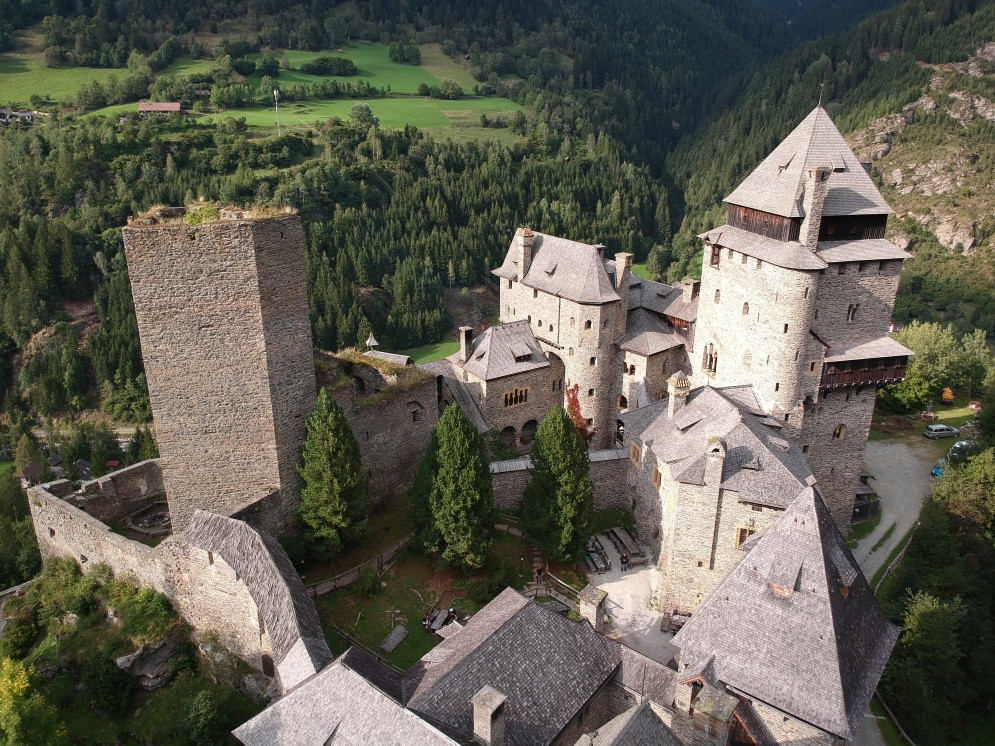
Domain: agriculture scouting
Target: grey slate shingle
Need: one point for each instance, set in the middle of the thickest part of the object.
(795, 624)
(777, 184)
(866, 350)
(503, 350)
(642, 725)
(787, 254)
(647, 334)
(859, 250)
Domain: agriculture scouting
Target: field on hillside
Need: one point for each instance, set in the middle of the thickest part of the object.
(23, 74)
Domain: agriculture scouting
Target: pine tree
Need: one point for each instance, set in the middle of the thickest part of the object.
(421, 496)
(462, 497)
(558, 502)
(335, 503)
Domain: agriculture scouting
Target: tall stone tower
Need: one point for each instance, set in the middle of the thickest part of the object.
(576, 304)
(797, 293)
(226, 340)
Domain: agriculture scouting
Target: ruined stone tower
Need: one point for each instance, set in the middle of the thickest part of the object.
(796, 299)
(226, 340)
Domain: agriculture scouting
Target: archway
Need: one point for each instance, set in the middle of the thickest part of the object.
(509, 436)
(529, 432)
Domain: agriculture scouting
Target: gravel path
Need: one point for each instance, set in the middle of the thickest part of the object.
(902, 481)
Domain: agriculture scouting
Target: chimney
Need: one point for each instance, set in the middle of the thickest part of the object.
(465, 343)
(678, 387)
(689, 290)
(523, 249)
(489, 716)
(715, 453)
(623, 272)
(813, 199)
(592, 607)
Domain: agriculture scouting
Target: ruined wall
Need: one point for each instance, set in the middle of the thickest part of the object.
(121, 493)
(837, 462)
(203, 589)
(393, 428)
(222, 315)
(607, 474)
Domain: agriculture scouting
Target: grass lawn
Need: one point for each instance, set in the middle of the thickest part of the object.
(413, 586)
(862, 529)
(640, 271)
(891, 558)
(23, 73)
(435, 63)
(888, 730)
(187, 65)
(6, 466)
(431, 352)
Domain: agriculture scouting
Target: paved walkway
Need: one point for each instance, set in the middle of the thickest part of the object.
(631, 598)
(902, 481)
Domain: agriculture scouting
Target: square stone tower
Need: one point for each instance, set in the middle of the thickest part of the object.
(226, 340)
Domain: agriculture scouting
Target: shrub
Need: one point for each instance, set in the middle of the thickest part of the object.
(21, 631)
(329, 66)
(108, 686)
(244, 67)
(368, 583)
(203, 721)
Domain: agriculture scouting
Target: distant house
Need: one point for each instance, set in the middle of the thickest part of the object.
(82, 469)
(30, 474)
(146, 108)
(113, 465)
(17, 115)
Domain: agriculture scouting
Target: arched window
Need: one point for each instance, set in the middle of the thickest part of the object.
(710, 359)
(851, 312)
(746, 309)
(573, 322)
(508, 436)
(632, 370)
(840, 432)
(623, 403)
(717, 295)
(587, 324)
(529, 431)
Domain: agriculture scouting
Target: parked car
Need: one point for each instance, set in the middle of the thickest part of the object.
(940, 431)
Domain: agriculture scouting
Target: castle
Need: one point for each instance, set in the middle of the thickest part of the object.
(729, 416)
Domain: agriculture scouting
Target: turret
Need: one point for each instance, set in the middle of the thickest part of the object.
(678, 387)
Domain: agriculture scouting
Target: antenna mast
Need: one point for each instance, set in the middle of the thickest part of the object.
(276, 98)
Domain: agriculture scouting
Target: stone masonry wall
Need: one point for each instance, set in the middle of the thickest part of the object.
(121, 493)
(203, 589)
(753, 347)
(393, 429)
(838, 462)
(870, 285)
(608, 476)
(230, 373)
(545, 387)
(647, 382)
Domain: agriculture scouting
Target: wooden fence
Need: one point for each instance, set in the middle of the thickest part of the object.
(350, 576)
(356, 643)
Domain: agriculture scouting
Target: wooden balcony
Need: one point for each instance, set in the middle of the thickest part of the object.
(835, 377)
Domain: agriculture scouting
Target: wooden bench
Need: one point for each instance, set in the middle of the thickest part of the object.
(624, 542)
(439, 619)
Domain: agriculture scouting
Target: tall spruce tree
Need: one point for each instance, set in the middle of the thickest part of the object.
(335, 499)
(558, 503)
(462, 497)
(426, 536)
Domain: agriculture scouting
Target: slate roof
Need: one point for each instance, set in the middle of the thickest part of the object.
(546, 665)
(463, 397)
(298, 642)
(777, 185)
(642, 725)
(338, 706)
(859, 250)
(647, 334)
(788, 254)
(390, 357)
(864, 350)
(659, 298)
(568, 269)
(647, 677)
(159, 106)
(503, 350)
(760, 465)
(795, 624)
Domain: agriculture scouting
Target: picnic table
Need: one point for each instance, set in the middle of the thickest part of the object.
(439, 619)
(625, 544)
(394, 638)
(596, 558)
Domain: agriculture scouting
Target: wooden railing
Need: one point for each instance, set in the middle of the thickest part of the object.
(350, 576)
(867, 377)
(356, 643)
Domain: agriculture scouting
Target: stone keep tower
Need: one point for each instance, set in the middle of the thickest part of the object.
(226, 340)
(796, 299)
(576, 304)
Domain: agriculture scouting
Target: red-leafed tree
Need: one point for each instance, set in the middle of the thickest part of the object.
(573, 410)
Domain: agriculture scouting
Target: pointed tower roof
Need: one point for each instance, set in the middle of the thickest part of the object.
(795, 624)
(777, 184)
(371, 342)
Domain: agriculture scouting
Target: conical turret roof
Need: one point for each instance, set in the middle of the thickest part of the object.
(795, 624)
(777, 185)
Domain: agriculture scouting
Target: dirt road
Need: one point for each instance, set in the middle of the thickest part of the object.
(902, 481)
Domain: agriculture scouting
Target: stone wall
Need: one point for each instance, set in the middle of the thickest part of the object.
(121, 493)
(222, 315)
(607, 474)
(758, 316)
(545, 391)
(838, 462)
(870, 285)
(644, 379)
(393, 429)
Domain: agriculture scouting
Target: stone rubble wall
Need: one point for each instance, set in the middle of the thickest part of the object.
(203, 590)
(119, 494)
(610, 488)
